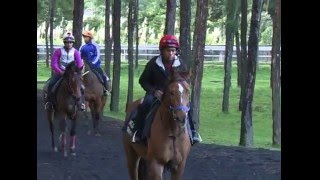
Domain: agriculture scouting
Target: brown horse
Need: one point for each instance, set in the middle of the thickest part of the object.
(94, 97)
(168, 145)
(67, 107)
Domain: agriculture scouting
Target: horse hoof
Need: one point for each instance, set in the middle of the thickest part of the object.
(72, 152)
(89, 132)
(55, 149)
(97, 134)
(65, 154)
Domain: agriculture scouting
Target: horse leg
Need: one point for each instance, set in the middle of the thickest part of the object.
(95, 118)
(132, 158)
(63, 137)
(50, 115)
(176, 174)
(73, 137)
(156, 170)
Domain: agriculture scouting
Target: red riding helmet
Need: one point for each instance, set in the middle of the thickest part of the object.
(168, 41)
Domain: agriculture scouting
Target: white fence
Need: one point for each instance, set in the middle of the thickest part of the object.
(212, 53)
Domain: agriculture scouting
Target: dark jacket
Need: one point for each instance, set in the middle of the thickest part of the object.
(154, 77)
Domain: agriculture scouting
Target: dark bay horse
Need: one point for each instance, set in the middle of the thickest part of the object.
(168, 145)
(67, 107)
(94, 97)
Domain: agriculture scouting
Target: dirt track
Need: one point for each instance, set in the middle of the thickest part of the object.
(102, 158)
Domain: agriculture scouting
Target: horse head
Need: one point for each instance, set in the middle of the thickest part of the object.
(73, 77)
(177, 94)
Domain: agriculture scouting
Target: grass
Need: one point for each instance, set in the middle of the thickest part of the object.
(215, 126)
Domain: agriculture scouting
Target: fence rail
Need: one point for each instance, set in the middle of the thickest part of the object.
(212, 53)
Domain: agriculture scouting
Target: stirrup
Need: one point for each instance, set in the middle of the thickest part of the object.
(106, 92)
(83, 107)
(48, 105)
(198, 139)
(134, 137)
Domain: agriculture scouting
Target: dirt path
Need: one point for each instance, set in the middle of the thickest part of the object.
(102, 158)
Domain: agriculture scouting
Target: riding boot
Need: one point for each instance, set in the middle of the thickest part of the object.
(105, 85)
(138, 126)
(196, 138)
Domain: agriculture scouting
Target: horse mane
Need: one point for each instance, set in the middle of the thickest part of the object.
(180, 76)
(72, 67)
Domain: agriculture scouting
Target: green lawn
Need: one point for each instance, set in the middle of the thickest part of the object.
(215, 126)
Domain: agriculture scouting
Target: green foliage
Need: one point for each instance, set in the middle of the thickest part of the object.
(42, 11)
(151, 18)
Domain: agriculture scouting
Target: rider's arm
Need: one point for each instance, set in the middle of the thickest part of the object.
(77, 59)
(97, 49)
(145, 79)
(55, 62)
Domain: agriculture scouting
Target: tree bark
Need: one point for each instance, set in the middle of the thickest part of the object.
(52, 4)
(107, 42)
(131, 26)
(46, 38)
(244, 25)
(231, 24)
(276, 79)
(116, 14)
(185, 32)
(199, 40)
(136, 15)
(78, 11)
(238, 57)
(170, 17)
(246, 134)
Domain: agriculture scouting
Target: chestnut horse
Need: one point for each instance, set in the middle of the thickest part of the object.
(67, 107)
(94, 97)
(168, 145)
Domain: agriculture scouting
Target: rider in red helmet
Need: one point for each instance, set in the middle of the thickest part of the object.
(153, 80)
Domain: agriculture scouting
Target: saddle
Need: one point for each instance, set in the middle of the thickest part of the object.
(129, 123)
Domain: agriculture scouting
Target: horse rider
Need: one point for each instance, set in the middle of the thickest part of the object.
(60, 59)
(90, 53)
(153, 80)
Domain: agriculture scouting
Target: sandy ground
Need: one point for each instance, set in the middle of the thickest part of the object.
(103, 158)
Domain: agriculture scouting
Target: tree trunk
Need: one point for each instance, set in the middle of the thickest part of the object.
(227, 69)
(136, 15)
(52, 7)
(185, 34)
(131, 26)
(47, 43)
(244, 25)
(170, 17)
(231, 24)
(107, 42)
(116, 14)
(276, 81)
(78, 11)
(238, 58)
(246, 134)
(199, 40)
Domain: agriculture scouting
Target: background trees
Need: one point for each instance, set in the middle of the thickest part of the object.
(213, 22)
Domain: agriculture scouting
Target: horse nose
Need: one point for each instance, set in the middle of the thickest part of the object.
(180, 116)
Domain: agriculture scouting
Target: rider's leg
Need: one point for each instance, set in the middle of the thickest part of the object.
(143, 109)
(195, 135)
(105, 80)
(51, 94)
